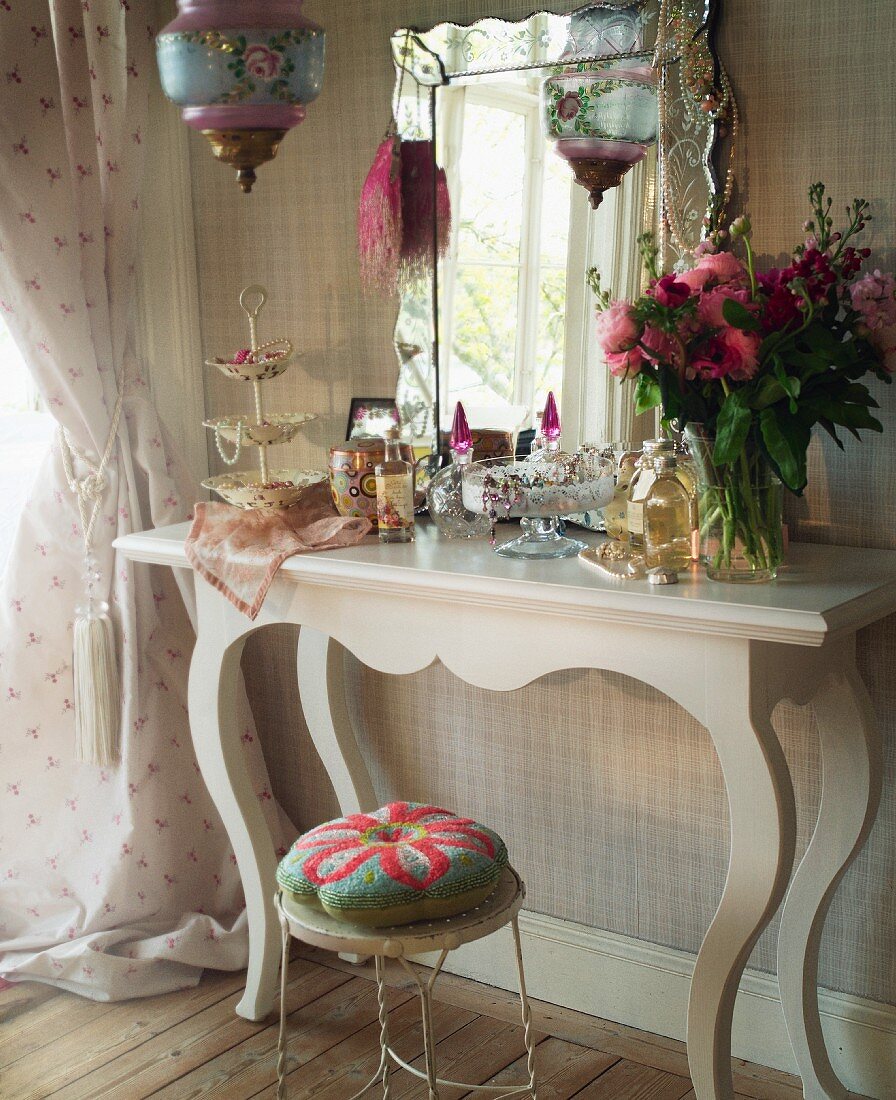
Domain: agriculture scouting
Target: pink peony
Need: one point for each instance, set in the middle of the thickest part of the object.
(262, 62)
(731, 353)
(883, 340)
(617, 329)
(874, 297)
(660, 347)
(715, 269)
(626, 363)
(670, 292)
(709, 309)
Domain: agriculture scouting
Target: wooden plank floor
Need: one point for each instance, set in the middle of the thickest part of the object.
(191, 1044)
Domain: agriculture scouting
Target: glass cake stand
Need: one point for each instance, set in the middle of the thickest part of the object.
(538, 490)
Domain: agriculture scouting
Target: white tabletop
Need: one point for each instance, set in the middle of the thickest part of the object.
(821, 591)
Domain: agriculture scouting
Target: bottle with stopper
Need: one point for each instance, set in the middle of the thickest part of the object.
(394, 493)
(445, 493)
(639, 486)
(667, 518)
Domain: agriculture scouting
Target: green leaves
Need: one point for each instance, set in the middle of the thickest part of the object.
(785, 439)
(732, 429)
(647, 394)
(738, 316)
(789, 384)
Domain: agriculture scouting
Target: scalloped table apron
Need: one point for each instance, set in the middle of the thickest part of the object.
(397, 608)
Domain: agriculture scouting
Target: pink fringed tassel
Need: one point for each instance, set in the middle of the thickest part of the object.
(380, 218)
(417, 163)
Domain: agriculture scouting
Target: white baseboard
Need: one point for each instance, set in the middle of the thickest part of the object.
(646, 986)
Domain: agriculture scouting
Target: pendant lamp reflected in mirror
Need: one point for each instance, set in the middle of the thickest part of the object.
(601, 114)
(242, 73)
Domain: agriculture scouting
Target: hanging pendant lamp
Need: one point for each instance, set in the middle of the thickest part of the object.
(242, 72)
(602, 115)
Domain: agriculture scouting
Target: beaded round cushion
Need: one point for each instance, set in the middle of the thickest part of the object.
(405, 862)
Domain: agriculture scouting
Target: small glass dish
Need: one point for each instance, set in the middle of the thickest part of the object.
(538, 490)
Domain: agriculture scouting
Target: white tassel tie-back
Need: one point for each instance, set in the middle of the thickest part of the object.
(95, 667)
(97, 700)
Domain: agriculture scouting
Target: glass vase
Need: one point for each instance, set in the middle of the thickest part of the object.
(740, 509)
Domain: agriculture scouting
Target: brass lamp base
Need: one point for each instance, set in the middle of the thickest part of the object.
(597, 176)
(245, 150)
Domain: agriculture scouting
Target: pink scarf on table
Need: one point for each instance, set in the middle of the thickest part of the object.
(239, 552)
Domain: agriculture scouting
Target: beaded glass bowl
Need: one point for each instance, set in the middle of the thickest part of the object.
(246, 489)
(538, 490)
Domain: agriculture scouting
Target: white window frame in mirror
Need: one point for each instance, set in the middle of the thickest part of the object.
(594, 404)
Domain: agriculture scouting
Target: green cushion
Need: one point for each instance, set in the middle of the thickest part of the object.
(403, 863)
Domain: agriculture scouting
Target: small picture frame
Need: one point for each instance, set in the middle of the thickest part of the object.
(371, 416)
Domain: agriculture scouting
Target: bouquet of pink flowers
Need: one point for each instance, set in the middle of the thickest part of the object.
(760, 358)
(747, 363)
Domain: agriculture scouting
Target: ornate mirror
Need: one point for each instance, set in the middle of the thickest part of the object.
(558, 141)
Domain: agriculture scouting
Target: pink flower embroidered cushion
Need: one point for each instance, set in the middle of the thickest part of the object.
(402, 863)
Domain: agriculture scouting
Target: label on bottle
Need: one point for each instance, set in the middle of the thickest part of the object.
(634, 514)
(394, 501)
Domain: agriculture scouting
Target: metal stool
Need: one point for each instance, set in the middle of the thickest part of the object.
(318, 928)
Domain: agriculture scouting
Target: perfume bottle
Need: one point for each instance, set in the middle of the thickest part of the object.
(394, 493)
(639, 486)
(445, 494)
(667, 518)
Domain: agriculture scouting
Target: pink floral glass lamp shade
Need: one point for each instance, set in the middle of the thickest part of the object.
(242, 72)
(601, 115)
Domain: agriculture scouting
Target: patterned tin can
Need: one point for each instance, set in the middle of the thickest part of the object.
(352, 478)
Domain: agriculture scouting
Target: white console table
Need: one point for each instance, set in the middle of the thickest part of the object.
(726, 653)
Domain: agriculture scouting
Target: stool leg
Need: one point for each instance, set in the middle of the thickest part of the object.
(429, 1043)
(526, 1010)
(384, 1023)
(281, 1037)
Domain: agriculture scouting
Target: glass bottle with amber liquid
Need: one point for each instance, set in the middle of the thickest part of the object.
(667, 518)
(394, 493)
(639, 486)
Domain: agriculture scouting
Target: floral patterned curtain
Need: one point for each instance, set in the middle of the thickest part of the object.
(114, 882)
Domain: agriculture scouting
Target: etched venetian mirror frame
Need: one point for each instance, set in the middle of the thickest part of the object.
(679, 192)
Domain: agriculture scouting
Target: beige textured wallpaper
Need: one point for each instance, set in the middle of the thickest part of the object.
(611, 795)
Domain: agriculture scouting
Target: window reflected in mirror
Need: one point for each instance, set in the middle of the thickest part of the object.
(503, 306)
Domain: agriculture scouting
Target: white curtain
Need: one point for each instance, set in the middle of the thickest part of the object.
(114, 882)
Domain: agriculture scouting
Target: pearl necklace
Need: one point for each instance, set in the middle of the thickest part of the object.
(219, 442)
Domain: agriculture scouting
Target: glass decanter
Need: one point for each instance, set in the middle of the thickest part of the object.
(444, 496)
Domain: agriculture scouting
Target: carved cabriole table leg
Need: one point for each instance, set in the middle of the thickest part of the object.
(852, 768)
(215, 681)
(321, 676)
(763, 830)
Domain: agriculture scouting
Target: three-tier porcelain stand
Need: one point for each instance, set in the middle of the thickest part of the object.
(258, 363)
